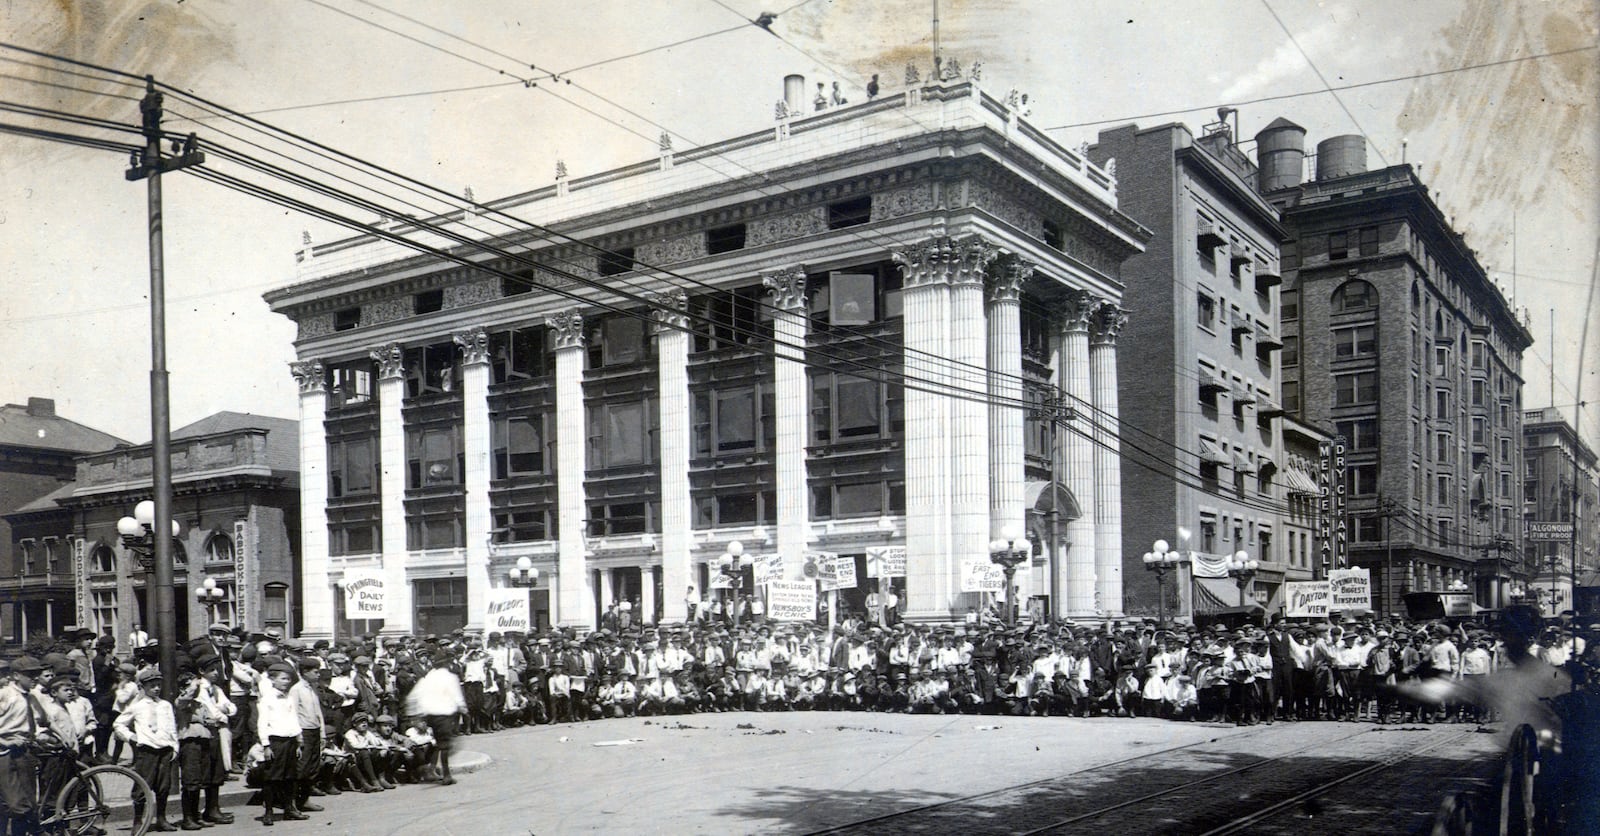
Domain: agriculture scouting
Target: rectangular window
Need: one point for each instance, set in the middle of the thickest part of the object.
(432, 369)
(1367, 529)
(1441, 403)
(1291, 396)
(520, 446)
(523, 526)
(859, 408)
(352, 467)
(1505, 450)
(1355, 341)
(1289, 305)
(1357, 388)
(1480, 355)
(1478, 434)
(731, 318)
(434, 531)
(618, 340)
(623, 434)
(1363, 479)
(103, 606)
(1338, 246)
(346, 319)
(1359, 434)
(428, 301)
(1369, 240)
(522, 354)
(853, 212)
(616, 262)
(1053, 237)
(620, 518)
(350, 383)
(433, 457)
(1291, 351)
(853, 299)
(28, 553)
(517, 283)
(1206, 311)
(725, 239)
(1208, 535)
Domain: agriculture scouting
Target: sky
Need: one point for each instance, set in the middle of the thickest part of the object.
(1507, 148)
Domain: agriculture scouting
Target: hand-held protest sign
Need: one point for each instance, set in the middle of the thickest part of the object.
(837, 572)
(1306, 599)
(792, 600)
(886, 562)
(1351, 589)
(364, 594)
(505, 610)
(982, 576)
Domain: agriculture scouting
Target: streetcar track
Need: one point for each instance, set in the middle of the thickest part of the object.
(850, 825)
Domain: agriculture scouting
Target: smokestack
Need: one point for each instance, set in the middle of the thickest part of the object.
(794, 92)
(42, 407)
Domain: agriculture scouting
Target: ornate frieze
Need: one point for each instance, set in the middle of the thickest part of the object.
(786, 289)
(786, 227)
(568, 328)
(316, 325)
(388, 310)
(897, 203)
(1005, 207)
(671, 311)
(391, 360)
(471, 292)
(672, 250)
(474, 344)
(309, 376)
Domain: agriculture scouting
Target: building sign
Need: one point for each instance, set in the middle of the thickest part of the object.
(506, 610)
(886, 562)
(242, 578)
(79, 561)
(1351, 589)
(1548, 532)
(1306, 599)
(982, 576)
(364, 594)
(792, 600)
(1332, 527)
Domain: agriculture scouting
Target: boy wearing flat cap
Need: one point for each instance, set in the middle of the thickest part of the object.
(150, 725)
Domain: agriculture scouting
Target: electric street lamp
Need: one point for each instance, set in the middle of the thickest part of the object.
(524, 574)
(1006, 551)
(138, 539)
(210, 596)
(1242, 569)
(1161, 560)
(731, 564)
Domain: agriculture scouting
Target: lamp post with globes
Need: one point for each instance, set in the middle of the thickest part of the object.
(525, 575)
(1006, 551)
(155, 558)
(731, 564)
(1161, 560)
(1242, 568)
(210, 596)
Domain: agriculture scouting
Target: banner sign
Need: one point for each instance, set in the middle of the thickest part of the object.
(1548, 532)
(1457, 605)
(982, 576)
(1209, 565)
(886, 562)
(792, 600)
(837, 573)
(1306, 599)
(767, 568)
(506, 609)
(1351, 589)
(364, 595)
(719, 580)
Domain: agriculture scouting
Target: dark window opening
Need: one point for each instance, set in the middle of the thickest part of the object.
(1054, 238)
(428, 301)
(732, 318)
(725, 239)
(853, 212)
(521, 354)
(432, 369)
(618, 340)
(346, 319)
(615, 262)
(517, 283)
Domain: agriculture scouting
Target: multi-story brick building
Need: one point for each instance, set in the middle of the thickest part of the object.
(1402, 346)
(235, 499)
(1559, 485)
(1202, 451)
(38, 449)
(820, 336)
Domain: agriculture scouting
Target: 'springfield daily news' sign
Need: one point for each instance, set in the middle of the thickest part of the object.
(365, 595)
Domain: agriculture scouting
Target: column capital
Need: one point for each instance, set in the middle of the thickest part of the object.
(945, 260)
(1006, 276)
(671, 311)
(787, 289)
(391, 360)
(474, 344)
(1076, 310)
(568, 325)
(308, 374)
(1109, 320)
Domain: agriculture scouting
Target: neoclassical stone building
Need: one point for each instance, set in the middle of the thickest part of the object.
(853, 341)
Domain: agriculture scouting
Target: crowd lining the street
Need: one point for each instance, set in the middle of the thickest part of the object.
(300, 722)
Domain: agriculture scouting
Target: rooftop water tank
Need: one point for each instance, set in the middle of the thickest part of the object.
(1280, 153)
(1341, 156)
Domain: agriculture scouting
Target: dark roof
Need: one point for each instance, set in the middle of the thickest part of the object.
(46, 502)
(47, 431)
(1281, 122)
(283, 434)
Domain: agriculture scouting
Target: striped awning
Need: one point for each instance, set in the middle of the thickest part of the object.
(1298, 481)
(1210, 453)
(1243, 463)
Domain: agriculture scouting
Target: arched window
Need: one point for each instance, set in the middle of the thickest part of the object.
(1354, 295)
(219, 549)
(103, 560)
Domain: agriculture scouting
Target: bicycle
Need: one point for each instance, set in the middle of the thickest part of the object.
(84, 805)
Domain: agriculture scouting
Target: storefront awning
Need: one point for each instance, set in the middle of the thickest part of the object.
(1210, 453)
(1298, 481)
(1243, 464)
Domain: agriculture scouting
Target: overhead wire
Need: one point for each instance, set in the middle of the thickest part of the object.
(1327, 85)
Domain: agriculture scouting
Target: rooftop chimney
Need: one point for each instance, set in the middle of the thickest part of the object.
(42, 407)
(794, 93)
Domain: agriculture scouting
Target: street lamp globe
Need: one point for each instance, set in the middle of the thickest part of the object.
(145, 512)
(1160, 547)
(129, 527)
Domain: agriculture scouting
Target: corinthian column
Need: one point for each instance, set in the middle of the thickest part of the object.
(786, 290)
(392, 482)
(1006, 475)
(1073, 581)
(475, 444)
(931, 565)
(1108, 322)
(672, 370)
(969, 412)
(574, 601)
(316, 593)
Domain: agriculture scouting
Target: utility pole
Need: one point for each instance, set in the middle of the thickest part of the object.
(149, 167)
(1387, 510)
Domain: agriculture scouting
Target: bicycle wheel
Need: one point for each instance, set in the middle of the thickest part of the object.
(103, 796)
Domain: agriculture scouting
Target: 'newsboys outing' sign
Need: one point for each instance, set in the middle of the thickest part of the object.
(364, 595)
(506, 610)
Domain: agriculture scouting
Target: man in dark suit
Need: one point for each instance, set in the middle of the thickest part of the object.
(1280, 697)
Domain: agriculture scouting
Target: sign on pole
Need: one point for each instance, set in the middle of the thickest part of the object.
(982, 576)
(1351, 589)
(886, 562)
(1548, 532)
(792, 600)
(1306, 599)
(506, 609)
(767, 568)
(364, 594)
(838, 573)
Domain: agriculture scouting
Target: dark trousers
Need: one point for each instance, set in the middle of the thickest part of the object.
(155, 767)
(18, 792)
(244, 728)
(55, 770)
(309, 764)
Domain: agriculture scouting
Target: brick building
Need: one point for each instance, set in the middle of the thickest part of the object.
(1200, 387)
(849, 290)
(236, 499)
(1559, 485)
(1397, 340)
(37, 453)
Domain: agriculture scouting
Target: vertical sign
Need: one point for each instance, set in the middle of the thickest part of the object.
(1325, 504)
(241, 574)
(1341, 523)
(82, 585)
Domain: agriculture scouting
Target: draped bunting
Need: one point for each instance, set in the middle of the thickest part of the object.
(1210, 565)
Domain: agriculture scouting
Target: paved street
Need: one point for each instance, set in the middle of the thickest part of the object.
(799, 773)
